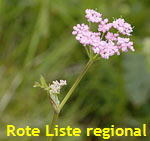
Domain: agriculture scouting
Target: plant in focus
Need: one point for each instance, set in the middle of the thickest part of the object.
(110, 38)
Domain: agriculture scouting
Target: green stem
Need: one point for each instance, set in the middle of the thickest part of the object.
(87, 51)
(56, 114)
(102, 36)
(75, 84)
(52, 125)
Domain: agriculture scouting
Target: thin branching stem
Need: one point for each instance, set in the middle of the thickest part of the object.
(68, 95)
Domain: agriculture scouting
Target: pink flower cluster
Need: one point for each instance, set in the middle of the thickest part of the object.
(84, 35)
(104, 42)
(93, 16)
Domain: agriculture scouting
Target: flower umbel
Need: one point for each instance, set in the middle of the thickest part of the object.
(103, 41)
(93, 16)
(122, 26)
(56, 86)
(53, 90)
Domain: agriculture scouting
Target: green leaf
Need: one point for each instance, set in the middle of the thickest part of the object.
(37, 84)
(43, 82)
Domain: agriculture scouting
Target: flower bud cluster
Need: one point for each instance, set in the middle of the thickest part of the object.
(56, 86)
(54, 91)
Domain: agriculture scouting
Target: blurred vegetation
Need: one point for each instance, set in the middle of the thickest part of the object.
(35, 39)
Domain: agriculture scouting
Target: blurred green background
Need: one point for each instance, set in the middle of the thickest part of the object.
(36, 39)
